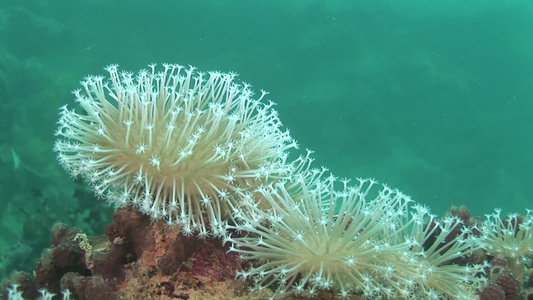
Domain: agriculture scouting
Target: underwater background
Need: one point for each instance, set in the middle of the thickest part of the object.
(434, 98)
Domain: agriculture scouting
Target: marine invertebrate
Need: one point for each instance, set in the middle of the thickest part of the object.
(174, 143)
(195, 150)
(15, 294)
(509, 238)
(136, 259)
(356, 240)
(435, 248)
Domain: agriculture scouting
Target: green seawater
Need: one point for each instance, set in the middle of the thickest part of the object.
(434, 98)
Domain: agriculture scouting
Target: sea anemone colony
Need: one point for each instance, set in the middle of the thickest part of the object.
(175, 143)
(509, 238)
(200, 152)
(355, 240)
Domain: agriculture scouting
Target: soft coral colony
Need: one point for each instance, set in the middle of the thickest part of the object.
(177, 144)
(200, 152)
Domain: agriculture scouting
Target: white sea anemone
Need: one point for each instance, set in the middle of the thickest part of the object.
(357, 240)
(509, 237)
(175, 143)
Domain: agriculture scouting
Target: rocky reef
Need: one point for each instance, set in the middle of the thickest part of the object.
(141, 259)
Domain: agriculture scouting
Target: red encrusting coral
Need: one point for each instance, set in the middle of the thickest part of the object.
(502, 282)
(492, 292)
(67, 254)
(137, 259)
(507, 282)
